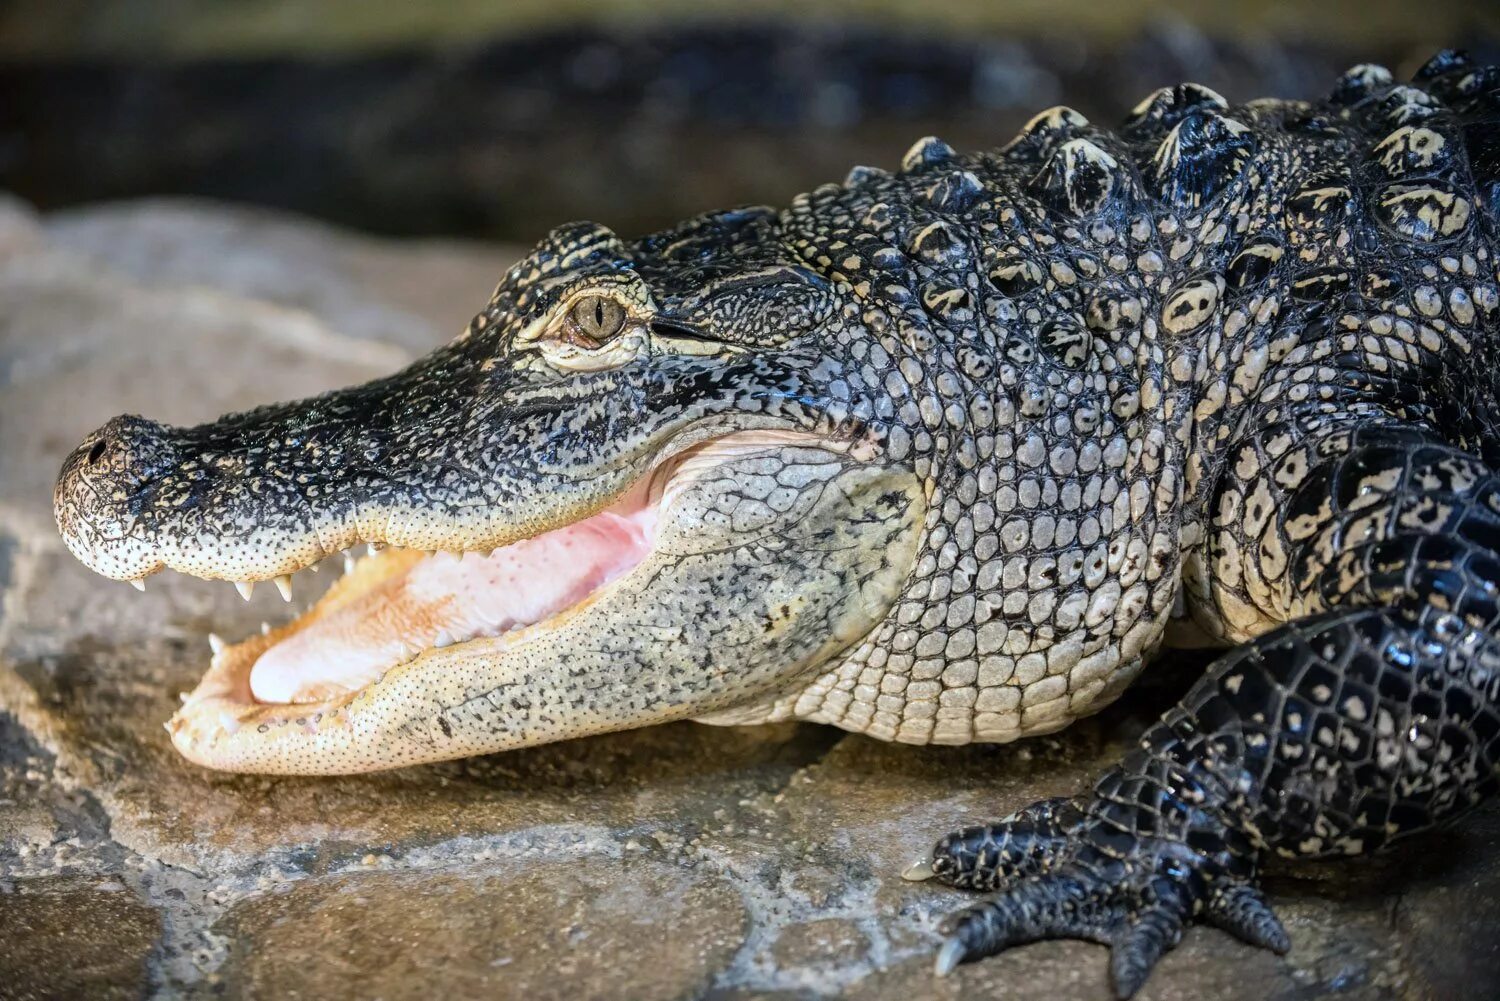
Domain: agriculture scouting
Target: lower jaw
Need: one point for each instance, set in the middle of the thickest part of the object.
(389, 609)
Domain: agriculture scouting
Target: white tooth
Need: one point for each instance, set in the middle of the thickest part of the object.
(265, 628)
(228, 722)
(374, 547)
(443, 639)
(216, 644)
(313, 567)
(245, 587)
(184, 696)
(139, 585)
(167, 726)
(284, 585)
(348, 561)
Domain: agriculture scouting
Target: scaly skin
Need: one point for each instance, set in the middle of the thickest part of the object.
(1237, 362)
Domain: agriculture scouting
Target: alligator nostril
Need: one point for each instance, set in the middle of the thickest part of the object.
(96, 452)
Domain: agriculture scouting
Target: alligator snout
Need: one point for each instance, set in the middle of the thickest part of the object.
(118, 459)
(103, 486)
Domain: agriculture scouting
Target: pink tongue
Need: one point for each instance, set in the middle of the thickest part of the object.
(446, 599)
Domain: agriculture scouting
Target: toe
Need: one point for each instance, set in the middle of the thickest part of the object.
(985, 858)
(1140, 944)
(1241, 909)
(1053, 905)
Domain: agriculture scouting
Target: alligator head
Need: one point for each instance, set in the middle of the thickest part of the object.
(639, 487)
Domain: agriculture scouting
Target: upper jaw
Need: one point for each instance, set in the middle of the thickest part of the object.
(257, 496)
(271, 530)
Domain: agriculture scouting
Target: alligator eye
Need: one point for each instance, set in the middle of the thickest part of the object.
(597, 318)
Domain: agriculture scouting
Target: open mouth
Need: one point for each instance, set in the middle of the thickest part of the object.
(396, 607)
(411, 602)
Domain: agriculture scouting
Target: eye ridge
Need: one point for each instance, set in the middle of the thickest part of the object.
(595, 319)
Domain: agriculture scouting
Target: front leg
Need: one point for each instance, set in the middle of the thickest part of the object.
(1372, 713)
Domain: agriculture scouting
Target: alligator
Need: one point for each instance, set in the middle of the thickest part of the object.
(937, 455)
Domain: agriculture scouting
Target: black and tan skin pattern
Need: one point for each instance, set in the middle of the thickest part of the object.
(1229, 370)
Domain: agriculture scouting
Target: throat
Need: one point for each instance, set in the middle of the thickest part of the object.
(446, 598)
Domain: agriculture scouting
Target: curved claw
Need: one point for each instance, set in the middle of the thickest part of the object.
(948, 957)
(919, 871)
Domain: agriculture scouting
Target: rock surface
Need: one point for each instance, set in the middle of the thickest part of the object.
(685, 861)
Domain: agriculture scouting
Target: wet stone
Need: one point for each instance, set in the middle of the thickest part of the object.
(45, 827)
(823, 942)
(565, 928)
(74, 937)
(105, 704)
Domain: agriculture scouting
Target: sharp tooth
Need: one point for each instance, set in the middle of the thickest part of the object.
(348, 561)
(284, 585)
(184, 696)
(313, 567)
(216, 644)
(245, 587)
(374, 547)
(265, 628)
(139, 585)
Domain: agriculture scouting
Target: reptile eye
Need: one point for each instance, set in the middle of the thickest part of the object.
(597, 318)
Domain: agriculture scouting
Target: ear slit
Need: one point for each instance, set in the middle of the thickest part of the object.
(680, 331)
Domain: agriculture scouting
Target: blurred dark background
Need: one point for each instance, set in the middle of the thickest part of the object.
(499, 120)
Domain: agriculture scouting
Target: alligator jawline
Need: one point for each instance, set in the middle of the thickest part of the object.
(326, 658)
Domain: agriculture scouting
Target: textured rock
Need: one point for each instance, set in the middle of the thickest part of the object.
(556, 929)
(677, 862)
(105, 712)
(70, 937)
(412, 293)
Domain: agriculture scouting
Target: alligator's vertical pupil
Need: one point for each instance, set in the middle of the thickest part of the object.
(598, 317)
(96, 452)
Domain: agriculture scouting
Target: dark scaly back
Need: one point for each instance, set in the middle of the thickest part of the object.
(1066, 333)
(995, 324)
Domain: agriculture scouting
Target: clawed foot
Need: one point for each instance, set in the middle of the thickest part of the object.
(1073, 869)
